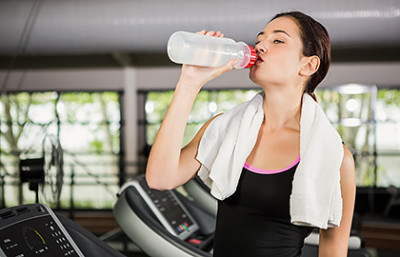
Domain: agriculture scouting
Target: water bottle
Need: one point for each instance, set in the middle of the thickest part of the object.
(202, 50)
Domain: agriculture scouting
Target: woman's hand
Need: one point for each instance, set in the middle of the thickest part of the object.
(197, 76)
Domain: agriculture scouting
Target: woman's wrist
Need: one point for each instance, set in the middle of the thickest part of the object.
(189, 87)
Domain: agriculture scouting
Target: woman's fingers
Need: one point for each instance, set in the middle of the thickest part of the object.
(210, 33)
(227, 67)
(218, 34)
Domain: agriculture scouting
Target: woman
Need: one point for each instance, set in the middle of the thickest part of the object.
(293, 57)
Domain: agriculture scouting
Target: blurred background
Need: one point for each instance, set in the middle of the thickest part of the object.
(94, 76)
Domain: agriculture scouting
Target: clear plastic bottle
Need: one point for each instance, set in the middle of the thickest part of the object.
(196, 49)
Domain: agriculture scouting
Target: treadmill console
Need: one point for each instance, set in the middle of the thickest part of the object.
(34, 230)
(167, 208)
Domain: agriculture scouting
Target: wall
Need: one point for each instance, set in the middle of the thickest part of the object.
(385, 74)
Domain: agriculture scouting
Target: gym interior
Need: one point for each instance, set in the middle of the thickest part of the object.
(85, 86)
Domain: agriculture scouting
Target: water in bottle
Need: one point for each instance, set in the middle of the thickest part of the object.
(202, 50)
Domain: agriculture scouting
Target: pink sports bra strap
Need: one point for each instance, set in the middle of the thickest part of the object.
(261, 171)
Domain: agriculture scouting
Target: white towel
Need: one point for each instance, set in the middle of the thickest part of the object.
(316, 197)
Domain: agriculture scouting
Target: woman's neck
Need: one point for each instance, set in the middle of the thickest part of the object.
(282, 109)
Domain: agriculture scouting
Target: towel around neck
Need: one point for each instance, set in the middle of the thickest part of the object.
(229, 139)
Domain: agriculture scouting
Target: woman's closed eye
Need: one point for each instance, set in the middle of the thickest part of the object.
(276, 41)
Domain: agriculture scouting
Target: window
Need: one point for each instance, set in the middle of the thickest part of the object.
(88, 127)
(207, 104)
(368, 121)
(388, 137)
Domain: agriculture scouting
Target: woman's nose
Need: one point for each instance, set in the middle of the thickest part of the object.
(260, 48)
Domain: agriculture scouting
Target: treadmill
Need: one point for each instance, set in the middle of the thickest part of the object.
(164, 223)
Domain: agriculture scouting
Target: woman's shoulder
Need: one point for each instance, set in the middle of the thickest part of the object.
(347, 155)
(347, 168)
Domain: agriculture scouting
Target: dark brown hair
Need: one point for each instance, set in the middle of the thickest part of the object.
(315, 39)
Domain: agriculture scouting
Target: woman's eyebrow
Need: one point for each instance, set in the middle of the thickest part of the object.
(281, 31)
(275, 31)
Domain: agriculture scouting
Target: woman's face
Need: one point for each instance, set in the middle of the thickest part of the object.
(279, 49)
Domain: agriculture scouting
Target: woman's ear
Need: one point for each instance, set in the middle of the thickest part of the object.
(310, 65)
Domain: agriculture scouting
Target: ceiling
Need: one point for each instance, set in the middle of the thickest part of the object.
(102, 33)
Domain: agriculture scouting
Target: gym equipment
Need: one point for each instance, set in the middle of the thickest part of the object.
(35, 230)
(163, 223)
(201, 195)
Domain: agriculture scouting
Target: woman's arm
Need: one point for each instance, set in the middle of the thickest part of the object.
(333, 242)
(169, 166)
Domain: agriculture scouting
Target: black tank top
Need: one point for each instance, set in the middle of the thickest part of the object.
(255, 220)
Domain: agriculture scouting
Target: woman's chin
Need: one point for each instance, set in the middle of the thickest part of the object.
(255, 74)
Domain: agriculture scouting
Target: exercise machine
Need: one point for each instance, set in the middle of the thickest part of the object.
(35, 230)
(163, 223)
